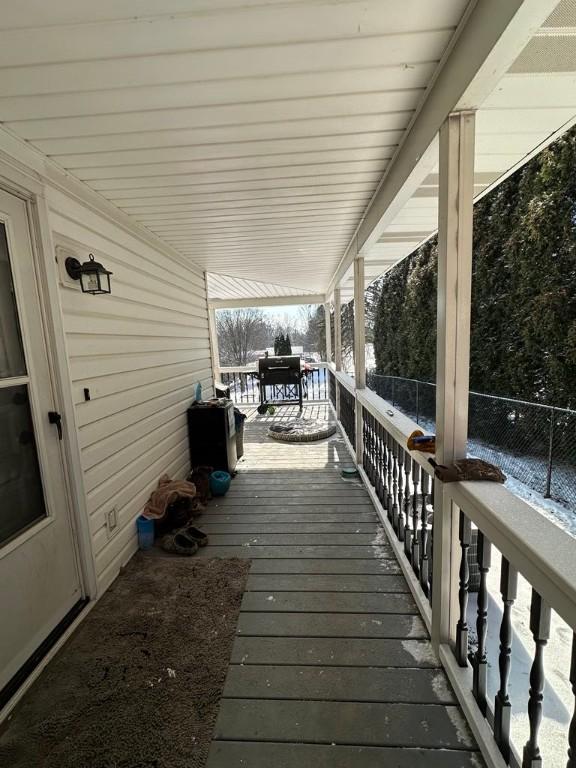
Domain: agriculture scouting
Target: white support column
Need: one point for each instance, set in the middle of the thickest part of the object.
(452, 354)
(337, 329)
(213, 334)
(328, 327)
(337, 342)
(359, 347)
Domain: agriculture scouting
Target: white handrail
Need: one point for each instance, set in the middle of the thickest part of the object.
(395, 422)
(253, 367)
(347, 381)
(541, 551)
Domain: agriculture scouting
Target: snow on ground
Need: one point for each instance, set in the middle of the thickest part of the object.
(552, 510)
(558, 697)
(560, 514)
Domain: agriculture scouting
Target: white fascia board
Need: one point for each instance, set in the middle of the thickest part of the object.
(488, 40)
(267, 301)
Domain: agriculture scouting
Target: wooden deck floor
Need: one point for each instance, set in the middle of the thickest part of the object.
(332, 666)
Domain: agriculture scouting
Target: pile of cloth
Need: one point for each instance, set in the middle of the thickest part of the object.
(461, 469)
(174, 505)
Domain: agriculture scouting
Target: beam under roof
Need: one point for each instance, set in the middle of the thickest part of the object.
(270, 301)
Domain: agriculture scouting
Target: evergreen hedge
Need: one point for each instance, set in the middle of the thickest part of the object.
(523, 341)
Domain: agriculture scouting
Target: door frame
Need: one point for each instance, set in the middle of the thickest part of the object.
(27, 187)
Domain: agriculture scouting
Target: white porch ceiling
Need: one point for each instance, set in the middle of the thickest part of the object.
(252, 135)
(249, 135)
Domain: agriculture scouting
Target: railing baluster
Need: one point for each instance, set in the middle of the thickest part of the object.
(407, 498)
(378, 459)
(383, 486)
(389, 475)
(370, 445)
(382, 440)
(572, 730)
(365, 441)
(431, 561)
(502, 706)
(540, 616)
(415, 555)
(401, 520)
(424, 561)
(481, 659)
(465, 535)
(373, 474)
(394, 485)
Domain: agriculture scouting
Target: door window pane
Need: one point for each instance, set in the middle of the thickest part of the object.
(11, 351)
(21, 494)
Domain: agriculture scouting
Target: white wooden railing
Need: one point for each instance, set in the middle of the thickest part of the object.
(244, 388)
(437, 561)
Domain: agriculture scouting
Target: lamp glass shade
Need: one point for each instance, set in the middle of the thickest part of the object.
(94, 278)
(90, 282)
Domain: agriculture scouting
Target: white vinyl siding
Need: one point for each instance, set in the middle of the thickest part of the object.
(140, 351)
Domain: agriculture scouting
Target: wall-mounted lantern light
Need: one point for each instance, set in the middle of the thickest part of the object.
(94, 278)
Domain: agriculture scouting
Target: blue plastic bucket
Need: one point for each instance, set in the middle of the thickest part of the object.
(145, 528)
(219, 483)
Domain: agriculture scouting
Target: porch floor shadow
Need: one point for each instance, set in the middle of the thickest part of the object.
(332, 665)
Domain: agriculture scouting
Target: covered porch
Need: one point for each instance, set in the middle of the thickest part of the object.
(332, 664)
(258, 153)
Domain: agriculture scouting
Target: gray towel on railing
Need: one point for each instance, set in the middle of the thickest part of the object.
(468, 469)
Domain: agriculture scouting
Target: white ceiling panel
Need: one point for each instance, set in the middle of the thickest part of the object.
(250, 135)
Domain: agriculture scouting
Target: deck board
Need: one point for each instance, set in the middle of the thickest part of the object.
(328, 602)
(327, 582)
(344, 722)
(290, 526)
(382, 684)
(389, 625)
(258, 754)
(334, 651)
(332, 664)
(332, 565)
(253, 550)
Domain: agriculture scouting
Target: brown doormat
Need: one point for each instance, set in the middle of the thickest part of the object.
(139, 684)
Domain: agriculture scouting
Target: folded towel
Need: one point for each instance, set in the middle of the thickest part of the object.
(468, 469)
(167, 492)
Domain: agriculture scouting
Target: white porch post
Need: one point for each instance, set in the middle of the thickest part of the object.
(337, 343)
(213, 334)
(328, 332)
(359, 347)
(337, 330)
(452, 354)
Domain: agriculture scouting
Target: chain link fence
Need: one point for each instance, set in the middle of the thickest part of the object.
(532, 443)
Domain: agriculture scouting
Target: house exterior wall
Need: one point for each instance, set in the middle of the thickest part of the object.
(140, 351)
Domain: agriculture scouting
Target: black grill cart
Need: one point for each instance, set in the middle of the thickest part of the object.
(280, 380)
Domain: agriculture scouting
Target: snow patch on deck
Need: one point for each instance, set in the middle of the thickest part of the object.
(378, 544)
(460, 725)
(420, 651)
(441, 688)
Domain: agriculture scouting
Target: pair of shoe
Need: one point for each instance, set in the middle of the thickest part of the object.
(184, 541)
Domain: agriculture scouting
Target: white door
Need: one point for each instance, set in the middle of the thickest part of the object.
(39, 576)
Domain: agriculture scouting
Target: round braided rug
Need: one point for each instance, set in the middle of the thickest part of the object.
(302, 431)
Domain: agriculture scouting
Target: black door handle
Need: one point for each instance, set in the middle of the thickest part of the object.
(55, 418)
